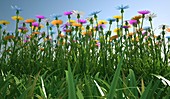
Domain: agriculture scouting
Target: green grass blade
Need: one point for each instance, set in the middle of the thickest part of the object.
(146, 92)
(132, 83)
(71, 85)
(79, 93)
(114, 82)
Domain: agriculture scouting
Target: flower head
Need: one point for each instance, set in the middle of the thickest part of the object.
(17, 18)
(57, 22)
(143, 12)
(4, 22)
(94, 13)
(82, 21)
(111, 19)
(55, 16)
(30, 20)
(77, 24)
(68, 12)
(117, 17)
(122, 7)
(137, 17)
(16, 8)
(9, 37)
(168, 37)
(40, 16)
(102, 22)
(168, 29)
(113, 37)
(163, 26)
(151, 15)
(36, 24)
(132, 22)
(75, 12)
(146, 28)
(116, 30)
(126, 26)
(65, 25)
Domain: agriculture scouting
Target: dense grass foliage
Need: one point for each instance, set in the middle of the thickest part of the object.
(84, 59)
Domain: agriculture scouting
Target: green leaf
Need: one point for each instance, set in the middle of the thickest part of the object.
(79, 93)
(112, 91)
(71, 85)
(146, 92)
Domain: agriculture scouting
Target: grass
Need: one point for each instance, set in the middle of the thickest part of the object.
(84, 64)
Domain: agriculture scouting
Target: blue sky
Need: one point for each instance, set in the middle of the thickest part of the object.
(108, 7)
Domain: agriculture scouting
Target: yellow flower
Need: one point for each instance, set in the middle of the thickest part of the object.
(57, 22)
(102, 22)
(15, 18)
(89, 33)
(72, 21)
(137, 17)
(36, 28)
(137, 39)
(4, 22)
(82, 28)
(30, 20)
(117, 17)
(116, 30)
(130, 34)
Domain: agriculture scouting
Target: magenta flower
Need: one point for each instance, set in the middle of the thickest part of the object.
(144, 12)
(40, 16)
(68, 13)
(132, 22)
(36, 24)
(25, 41)
(82, 21)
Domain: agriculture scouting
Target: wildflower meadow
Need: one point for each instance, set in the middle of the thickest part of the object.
(84, 58)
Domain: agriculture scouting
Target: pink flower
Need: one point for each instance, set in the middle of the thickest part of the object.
(68, 13)
(81, 21)
(40, 16)
(36, 24)
(132, 22)
(144, 12)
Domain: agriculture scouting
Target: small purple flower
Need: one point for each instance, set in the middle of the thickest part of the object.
(122, 7)
(65, 25)
(143, 33)
(94, 13)
(144, 12)
(40, 16)
(25, 41)
(68, 12)
(126, 26)
(36, 24)
(16, 8)
(132, 22)
(82, 21)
